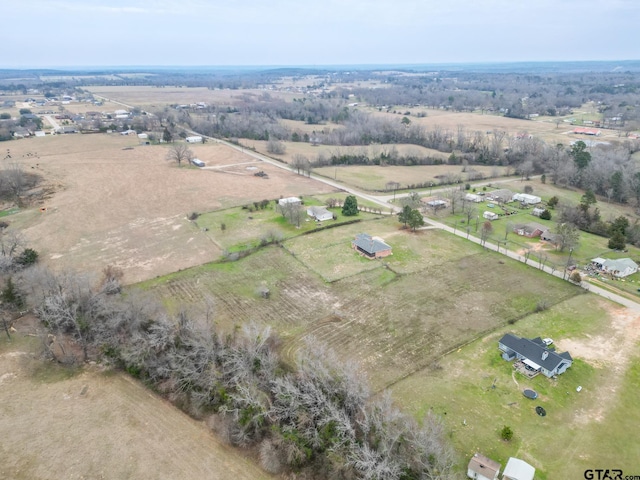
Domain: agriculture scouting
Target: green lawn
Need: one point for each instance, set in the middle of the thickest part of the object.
(477, 393)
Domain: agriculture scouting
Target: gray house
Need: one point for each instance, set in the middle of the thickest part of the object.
(534, 354)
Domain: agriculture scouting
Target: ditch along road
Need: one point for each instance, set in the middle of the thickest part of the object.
(383, 201)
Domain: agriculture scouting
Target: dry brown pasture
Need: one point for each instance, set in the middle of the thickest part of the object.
(99, 424)
(147, 96)
(120, 203)
(543, 127)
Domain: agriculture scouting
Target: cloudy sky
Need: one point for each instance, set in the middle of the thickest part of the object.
(44, 33)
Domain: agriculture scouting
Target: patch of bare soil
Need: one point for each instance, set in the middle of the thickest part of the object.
(97, 424)
(611, 350)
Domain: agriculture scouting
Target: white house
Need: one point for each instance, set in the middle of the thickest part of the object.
(621, 267)
(490, 215)
(196, 139)
(517, 469)
(483, 468)
(473, 197)
(319, 213)
(289, 201)
(526, 198)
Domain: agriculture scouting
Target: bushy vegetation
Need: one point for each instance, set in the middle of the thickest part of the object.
(314, 413)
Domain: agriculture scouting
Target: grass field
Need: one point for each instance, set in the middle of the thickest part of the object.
(93, 423)
(375, 178)
(581, 430)
(438, 292)
(245, 229)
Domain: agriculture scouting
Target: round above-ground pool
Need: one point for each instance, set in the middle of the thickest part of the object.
(532, 394)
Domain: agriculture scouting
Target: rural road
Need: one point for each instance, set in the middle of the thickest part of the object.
(52, 121)
(383, 201)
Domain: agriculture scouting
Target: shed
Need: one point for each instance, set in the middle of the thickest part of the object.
(490, 215)
(517, 469)
(195, 139)
(537, 211)
(197, 162)
(483, 468)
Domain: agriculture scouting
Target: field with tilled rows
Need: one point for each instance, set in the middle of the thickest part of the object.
(392, 322)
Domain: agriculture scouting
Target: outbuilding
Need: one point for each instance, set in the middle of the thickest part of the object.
(195, 139)
(490, 215)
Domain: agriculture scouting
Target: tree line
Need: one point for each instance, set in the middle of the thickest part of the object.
(312, 413)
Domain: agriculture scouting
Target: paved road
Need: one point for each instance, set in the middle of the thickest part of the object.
(383, 202)
(52, 121)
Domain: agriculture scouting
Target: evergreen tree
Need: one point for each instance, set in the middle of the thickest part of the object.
(404, 215)
(617, 241)
(350, 207)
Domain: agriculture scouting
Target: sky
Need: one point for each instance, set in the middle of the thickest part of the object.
(80, 33)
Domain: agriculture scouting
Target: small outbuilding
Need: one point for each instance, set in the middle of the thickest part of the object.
(517, 469)
(490, 215)
(197, 162)
(319, 213)
(195, 139)
(371, 247)
(483, 468)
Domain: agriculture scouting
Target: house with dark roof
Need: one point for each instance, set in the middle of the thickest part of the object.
(370, 247)
(483, 468)
(536, 356)
(529, 230)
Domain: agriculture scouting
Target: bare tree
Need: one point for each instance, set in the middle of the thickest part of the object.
(276, 147)
(179, 152)
(301, 165)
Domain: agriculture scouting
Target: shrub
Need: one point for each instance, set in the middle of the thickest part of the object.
(546, 215)
(28, 257)
(575, 277)
(193, 216)
(506, 433)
